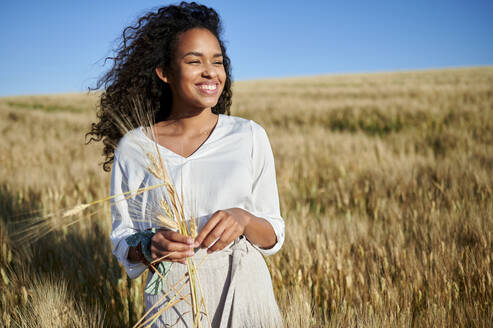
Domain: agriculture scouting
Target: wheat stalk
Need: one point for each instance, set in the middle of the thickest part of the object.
(38, 227)
(177, 208)
(167, 222)
(174, 218)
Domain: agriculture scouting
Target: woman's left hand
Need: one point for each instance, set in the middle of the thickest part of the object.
(224, 226)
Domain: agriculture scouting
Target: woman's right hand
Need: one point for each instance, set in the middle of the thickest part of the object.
(175, 246)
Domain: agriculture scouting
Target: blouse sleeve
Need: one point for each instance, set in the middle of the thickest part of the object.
(122, 225)
(264, 188)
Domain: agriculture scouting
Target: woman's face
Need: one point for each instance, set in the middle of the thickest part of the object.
(197, 74)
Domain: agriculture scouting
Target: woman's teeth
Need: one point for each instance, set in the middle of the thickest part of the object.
(208, 86)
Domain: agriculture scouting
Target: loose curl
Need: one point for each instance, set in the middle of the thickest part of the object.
(148, 44)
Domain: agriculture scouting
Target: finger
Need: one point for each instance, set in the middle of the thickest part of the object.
(171, 256)
(227, 237)
(171, 246)
(209, 226)
(158, 257)
(216, 233)
(162, 247)
(164, 241)
(177, 237)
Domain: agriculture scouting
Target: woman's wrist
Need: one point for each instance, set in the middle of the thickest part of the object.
(257, 230)
(139, 246)
(135, 254)
(243, 216)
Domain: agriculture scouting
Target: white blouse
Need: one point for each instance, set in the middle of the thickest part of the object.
(234, 167)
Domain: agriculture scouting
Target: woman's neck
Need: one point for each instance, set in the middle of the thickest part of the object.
(189, 123)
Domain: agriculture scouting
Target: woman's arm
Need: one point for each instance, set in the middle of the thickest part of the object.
(122, 224)
(263, 226)
(260, 232)
(227, 225)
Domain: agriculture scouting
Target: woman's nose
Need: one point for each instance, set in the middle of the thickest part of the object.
(209, 71)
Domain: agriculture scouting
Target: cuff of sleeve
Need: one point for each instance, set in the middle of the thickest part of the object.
(133, 269)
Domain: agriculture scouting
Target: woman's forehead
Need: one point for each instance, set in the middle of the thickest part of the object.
(199, 40)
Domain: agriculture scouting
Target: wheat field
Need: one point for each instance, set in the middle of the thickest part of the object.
(385, 182)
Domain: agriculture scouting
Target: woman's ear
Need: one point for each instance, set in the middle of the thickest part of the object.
(161, 75)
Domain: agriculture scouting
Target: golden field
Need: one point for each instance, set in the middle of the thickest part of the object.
(385, 183)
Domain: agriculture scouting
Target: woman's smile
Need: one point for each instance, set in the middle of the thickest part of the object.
(208, 89)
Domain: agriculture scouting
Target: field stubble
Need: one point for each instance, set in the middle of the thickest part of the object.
(385, 183)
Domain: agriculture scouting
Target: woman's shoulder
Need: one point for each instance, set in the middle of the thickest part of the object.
(131, 154)
(237, 123)
(133, 142)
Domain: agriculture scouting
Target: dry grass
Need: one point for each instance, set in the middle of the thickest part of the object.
(385, 183)
(49, 305)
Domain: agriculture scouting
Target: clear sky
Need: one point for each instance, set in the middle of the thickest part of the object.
(58, 46)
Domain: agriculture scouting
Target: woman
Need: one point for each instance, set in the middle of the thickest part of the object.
(174, 62)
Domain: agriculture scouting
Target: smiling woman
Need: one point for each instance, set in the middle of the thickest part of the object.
(226, 214)
(197, 74)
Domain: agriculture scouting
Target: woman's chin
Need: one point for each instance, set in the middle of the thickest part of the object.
(207, 104)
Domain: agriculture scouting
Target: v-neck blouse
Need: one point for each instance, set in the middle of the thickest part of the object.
(234, 167)
(174, 154)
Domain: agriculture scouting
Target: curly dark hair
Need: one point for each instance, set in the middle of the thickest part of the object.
(148, 44)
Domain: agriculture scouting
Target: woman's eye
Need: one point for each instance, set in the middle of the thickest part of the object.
(219, 63)
(194, 62)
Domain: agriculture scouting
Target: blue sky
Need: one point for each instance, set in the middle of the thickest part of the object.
(59, 46)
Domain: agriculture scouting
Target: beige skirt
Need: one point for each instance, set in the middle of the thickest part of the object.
(237, 289)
